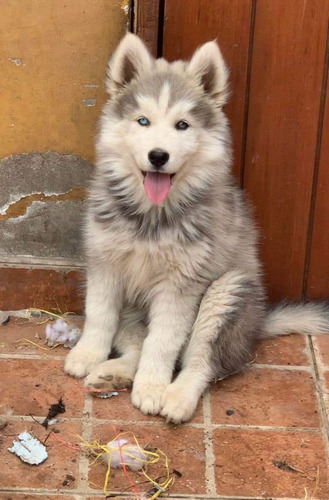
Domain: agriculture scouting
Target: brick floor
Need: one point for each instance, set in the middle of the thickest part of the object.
(246, 433)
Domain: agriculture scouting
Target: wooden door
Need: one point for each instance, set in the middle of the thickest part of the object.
(276, 50)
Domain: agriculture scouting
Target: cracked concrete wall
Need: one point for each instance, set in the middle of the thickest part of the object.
(42, 205)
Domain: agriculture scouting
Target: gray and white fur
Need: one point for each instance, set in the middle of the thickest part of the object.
(173, 270)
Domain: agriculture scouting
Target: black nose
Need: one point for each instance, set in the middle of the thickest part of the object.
(158, 157)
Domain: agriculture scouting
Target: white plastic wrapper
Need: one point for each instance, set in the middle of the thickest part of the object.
(5, 315)
(29, 449)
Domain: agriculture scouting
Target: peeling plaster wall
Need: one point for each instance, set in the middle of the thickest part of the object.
(49, 173)
(53, 61)
(42, 200)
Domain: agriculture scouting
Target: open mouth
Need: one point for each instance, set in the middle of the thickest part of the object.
(157, 185)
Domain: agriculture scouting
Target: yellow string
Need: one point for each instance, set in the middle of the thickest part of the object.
(37, 345)
(317, 480)
(29, 312)
(43, 311)
(152, 457)
(166, 484)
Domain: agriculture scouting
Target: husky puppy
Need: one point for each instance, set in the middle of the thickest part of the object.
(173, 269)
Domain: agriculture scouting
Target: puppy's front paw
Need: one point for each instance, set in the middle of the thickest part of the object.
(147, 396)
(178, 403)
(112, 374)
(81, 360)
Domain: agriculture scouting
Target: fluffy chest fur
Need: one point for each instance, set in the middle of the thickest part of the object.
(145, 265)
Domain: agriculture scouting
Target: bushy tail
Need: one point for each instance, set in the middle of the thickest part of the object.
(310, 318)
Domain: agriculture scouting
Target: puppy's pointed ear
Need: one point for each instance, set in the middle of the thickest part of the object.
(130, 59)
(208, 69)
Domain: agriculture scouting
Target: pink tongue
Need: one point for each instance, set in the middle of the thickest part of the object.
(157, 186)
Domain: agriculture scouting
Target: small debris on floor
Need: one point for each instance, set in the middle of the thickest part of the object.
(53, 421)
(177, 473)
(124, 451)
(68, 479)
(29, 314)
(121, 451)
(5, 321)
(151, 493)
(61, 332)
(99, 393)
(6, 315)
(29, 449)
(54, 410)
(230, 412)
(107, 395)
(4, 418)
(239, 412)
(281, 464)
(3, 422)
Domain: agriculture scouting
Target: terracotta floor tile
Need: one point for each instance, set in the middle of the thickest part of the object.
(266, 397)
(102, 498)
(289, 350)
(31, 496)
(98, 498)
(51, 473)
(183, 445)
(161, 497)
(322, 343)
(244, 458)
(326, 395)
(121, 408)
(244, 463)
(31, 386)
(326, 376)
(121, 497)
(13, 335)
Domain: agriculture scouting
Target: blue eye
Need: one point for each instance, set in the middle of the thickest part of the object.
(143, 121)
(181, 125)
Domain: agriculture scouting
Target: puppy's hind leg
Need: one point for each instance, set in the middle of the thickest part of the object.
(119, 372)
(221, 343)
